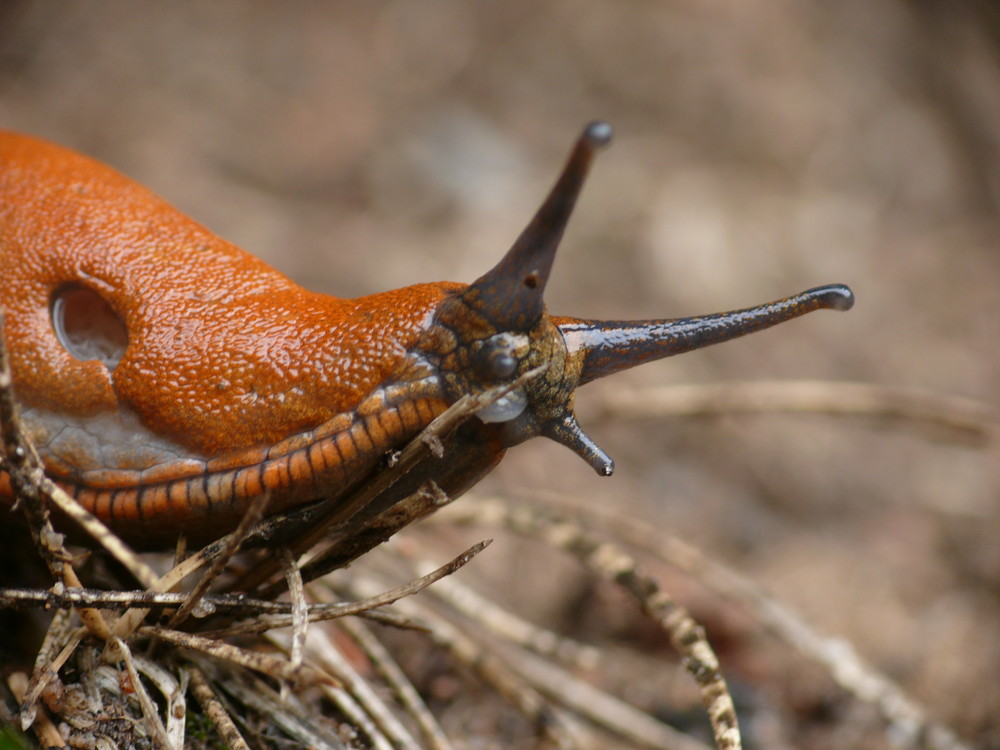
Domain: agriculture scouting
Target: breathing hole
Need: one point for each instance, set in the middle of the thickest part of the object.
(87, 327)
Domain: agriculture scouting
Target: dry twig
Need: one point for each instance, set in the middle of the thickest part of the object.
(953, 417)
(333, 611)
(253, 514)
(380, 724)
(154, 725)
(402, 688)
(906, 721)
(215, 711)
(46, 731)
(479, 658)
(300, 676)
(611, 562)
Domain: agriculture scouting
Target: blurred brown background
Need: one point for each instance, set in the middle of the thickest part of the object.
(762, 147)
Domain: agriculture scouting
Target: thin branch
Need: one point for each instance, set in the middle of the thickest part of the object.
(953, 417)
(402, 688)
(250, 518)
(154, 724)
(215, 711)
(302, 675)
(332, 611)
(505, 624)
(612, 563)
(905, 718)
(231, 604)
(385, 728)
(46, 731)
(467, 650)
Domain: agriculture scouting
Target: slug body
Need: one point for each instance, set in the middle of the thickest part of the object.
(167, 377)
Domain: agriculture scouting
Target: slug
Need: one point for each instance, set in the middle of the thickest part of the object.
(167, 377)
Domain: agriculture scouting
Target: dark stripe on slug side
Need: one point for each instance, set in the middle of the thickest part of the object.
(102, 504)
(178, 494)
(316, 459)
(364, 442)
(198, 495)
(143, 497)
(123, 504)
(241, 482)
(301, 469)
(332, 457)
(233, 475)
(218, 487)
(391, 423)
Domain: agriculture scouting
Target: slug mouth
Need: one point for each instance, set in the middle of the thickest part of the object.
(497, 329)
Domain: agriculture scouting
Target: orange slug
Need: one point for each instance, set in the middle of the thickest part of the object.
(167, 377)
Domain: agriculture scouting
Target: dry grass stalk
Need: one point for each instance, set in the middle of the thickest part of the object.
(255, 511)
(953, 418)
(476, 654)
(157, 732)
(611, 562)
(597, 706)
(905, 719)
(46, 731)
(174, 691)
(433, 735)
(381, 724)
(300, 608)
(301, 675)
(509, 627)
(216, 712)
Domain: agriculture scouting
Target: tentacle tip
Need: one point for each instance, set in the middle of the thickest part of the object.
(567, 431)
(600, 462)
(598, 134)
(835, 296)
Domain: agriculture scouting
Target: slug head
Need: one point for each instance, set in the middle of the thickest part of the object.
(497, 329)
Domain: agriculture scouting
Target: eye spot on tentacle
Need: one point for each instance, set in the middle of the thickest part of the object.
(86, 325)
